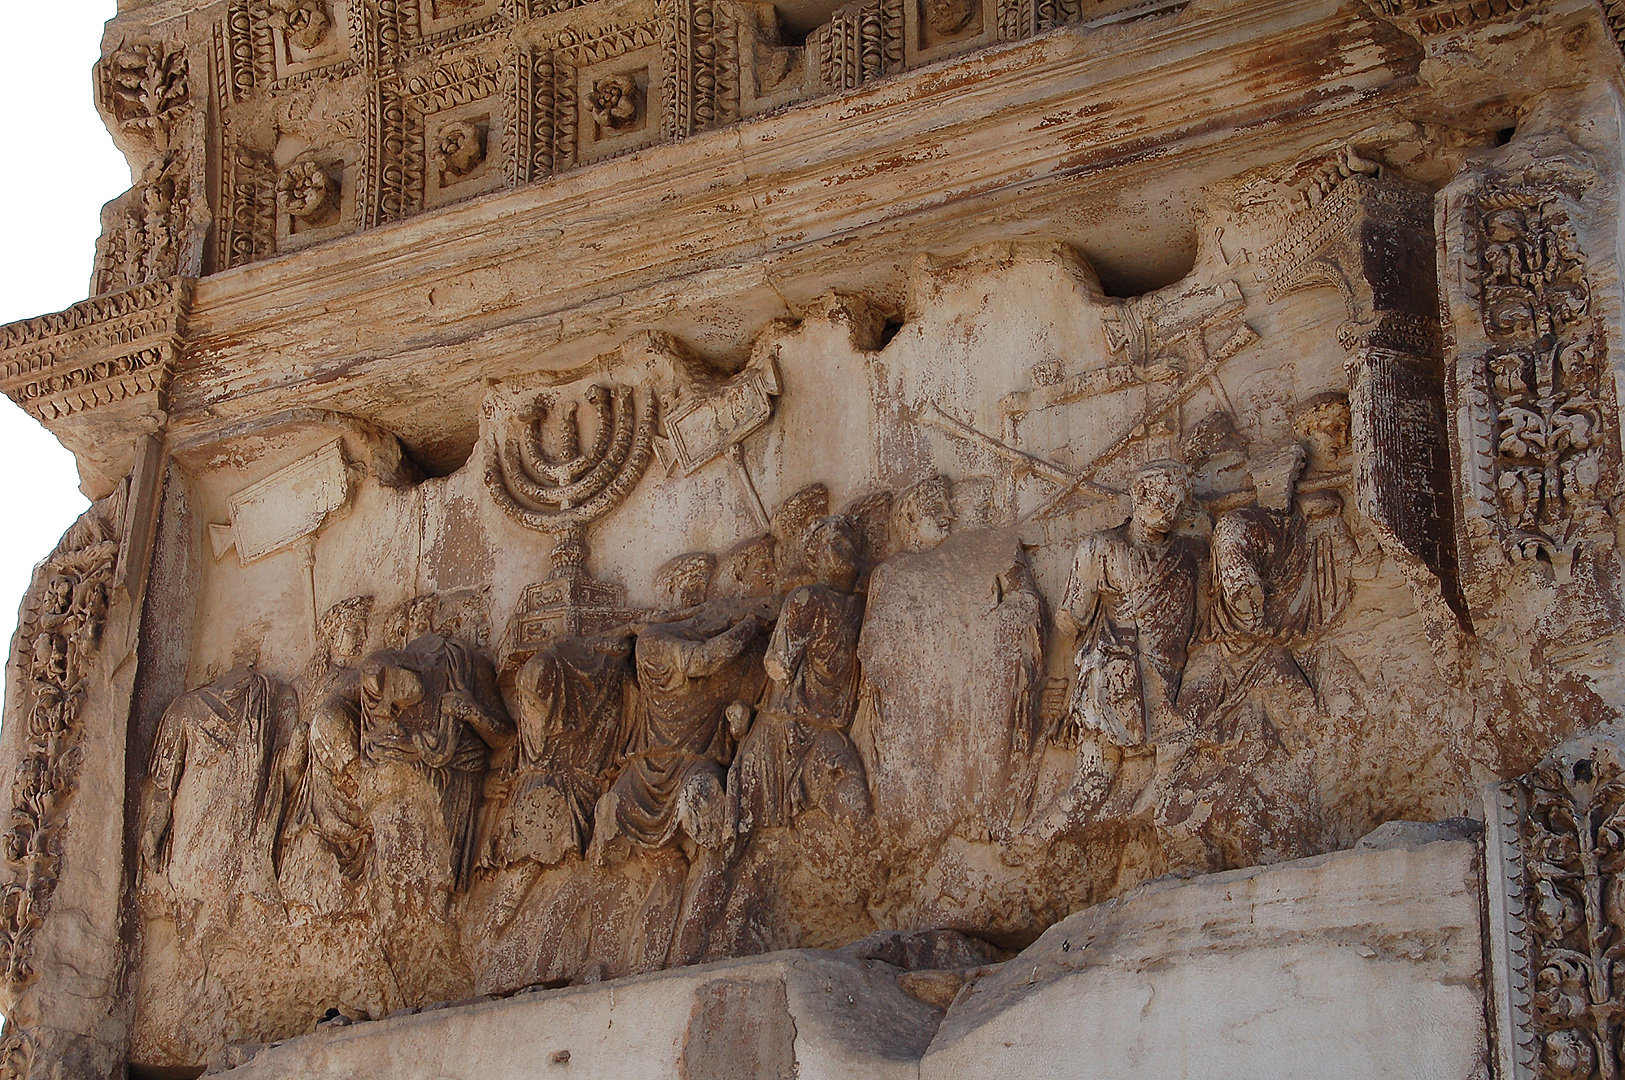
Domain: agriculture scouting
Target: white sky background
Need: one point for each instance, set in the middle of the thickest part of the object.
(59, 167)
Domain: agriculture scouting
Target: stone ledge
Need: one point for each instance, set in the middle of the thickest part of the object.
(1359, 963)
(808, 1015)
(1356, 964)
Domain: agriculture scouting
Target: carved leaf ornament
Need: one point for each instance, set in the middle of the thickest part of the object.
(1573, 838)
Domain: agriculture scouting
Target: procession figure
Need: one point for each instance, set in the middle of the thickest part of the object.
(572, 720)
(1132, 596)
(223, 764)
(434, 706)
(1279, 575)
(798, 754)
(327, 798)
(923, 515)
(694, 673)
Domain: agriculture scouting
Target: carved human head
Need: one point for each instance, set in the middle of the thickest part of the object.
(420, 616)
(797, 513)
(539, 690)
(948, 17)
(303, 22)
(746, 570)
(1217, 455)
(616, 100)
(458, 148)
(925, 514)
(343, 629)
(684, 581)
(1158, 492)
(832, 551)
(387, 689)
(789, 525)
(307, 192)
(1322, 425)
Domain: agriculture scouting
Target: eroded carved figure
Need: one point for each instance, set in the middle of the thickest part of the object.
(434, 706)
(225, 761)
(798, 754)
(1132, 595)
(690, 669)
(327, 802)
(571, 698)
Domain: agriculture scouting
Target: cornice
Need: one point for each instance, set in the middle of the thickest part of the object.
(712, 235)
(1009, 131)
(99, 351)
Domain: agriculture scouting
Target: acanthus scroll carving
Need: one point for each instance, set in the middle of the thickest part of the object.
(1558, 886)
(56, 644)
(1547, 442)
(143, 238)
(1531, 270)
(144, 85)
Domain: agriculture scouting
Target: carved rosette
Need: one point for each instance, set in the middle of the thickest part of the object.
(1556, 869)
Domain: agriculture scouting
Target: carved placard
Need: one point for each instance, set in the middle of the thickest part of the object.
(701, 428)
(289, 504)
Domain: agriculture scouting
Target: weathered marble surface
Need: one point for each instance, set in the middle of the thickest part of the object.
(1358, 963)
(797, 1014)
(595, 489)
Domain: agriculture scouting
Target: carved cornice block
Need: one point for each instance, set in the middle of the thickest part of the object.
(98, 373)
(1427, 18)
(100, 351)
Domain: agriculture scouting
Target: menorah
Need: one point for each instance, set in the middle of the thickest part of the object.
(561, 494)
